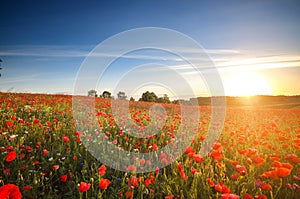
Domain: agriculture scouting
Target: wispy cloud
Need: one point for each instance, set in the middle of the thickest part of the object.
(259, 63)
(19, 79)
(50, 76)
(45, 51)
(224, 59)
(229, 64)
(42, 52)
(84, 51)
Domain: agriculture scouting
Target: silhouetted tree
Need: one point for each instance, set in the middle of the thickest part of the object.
(149, 97)
(106, 94)
(175, 102)
(165, 99)
(121, 95)
(92, 93)
(131, 99)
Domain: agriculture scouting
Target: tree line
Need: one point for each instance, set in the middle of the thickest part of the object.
(146, 96)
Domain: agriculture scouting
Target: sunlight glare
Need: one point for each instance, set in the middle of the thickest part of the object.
(246, 84)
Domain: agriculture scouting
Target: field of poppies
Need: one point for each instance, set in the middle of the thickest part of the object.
(43, 156)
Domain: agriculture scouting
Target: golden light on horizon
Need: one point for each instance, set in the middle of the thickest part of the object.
(246, 84)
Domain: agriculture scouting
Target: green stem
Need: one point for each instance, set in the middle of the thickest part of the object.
(277, 191)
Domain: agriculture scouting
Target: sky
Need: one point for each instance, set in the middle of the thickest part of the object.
(254, 46)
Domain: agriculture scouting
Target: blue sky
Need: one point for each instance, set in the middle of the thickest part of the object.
(43, 44)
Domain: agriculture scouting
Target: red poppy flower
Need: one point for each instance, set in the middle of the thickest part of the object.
(10, 156)
(234, 162)
(104, 183)
(235, 176)
(10, 191)
(48, 124)
(133, 181)
(36, 162)
(194, 171)
(63, 178)
(38, 145)
(129, 195)
(157, 171)
(179, 166)
(287, 165)
(83, 187)
(265, 186)
(102, 170)
(216, 155)
(147, 182)
(220, 187)
(276, 164)
(36, 121)
(198, 158)
(8, 123)
(154, 147)
(66, 139)
(189, 149)
(182, 175)
(131, 168)
(29, 149)
(45, 152)
(22, 155)
(247, 196)
(257, 160)
(283, 172)
(9, 148)
(55, 167)
(241, 169)
(163, 156)
(169, 196)
(210, 182)
(275, 157)
(148, 162)
(270, 174)
(142, 161)
(217, 147)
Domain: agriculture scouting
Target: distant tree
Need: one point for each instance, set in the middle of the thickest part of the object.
(131, 99)
(149, 97)
(121, 95)
(181, 101)
(160, 100)
(175, 102)
(106, 94)
(92, 93)
(165, 99)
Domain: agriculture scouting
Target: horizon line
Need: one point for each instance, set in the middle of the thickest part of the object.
(71, 94)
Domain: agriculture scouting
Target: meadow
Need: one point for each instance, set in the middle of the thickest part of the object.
(43, 155)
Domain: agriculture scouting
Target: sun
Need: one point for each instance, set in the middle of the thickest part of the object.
(246, 84)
